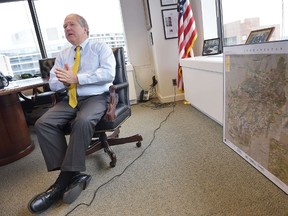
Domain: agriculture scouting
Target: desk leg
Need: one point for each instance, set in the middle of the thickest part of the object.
(15, 140)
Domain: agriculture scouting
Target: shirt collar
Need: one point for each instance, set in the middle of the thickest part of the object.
(82, 45)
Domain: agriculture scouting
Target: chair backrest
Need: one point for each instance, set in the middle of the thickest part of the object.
(45, 66)
(121, 77)
(120, 84)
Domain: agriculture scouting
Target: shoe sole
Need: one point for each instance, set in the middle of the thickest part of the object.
(73, 193)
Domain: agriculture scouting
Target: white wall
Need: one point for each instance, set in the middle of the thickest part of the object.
(161, 58)
(138, 44)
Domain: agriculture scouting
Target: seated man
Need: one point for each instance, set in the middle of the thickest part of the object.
(87, 77)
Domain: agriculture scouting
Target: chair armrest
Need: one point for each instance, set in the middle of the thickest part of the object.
(39, 96)
(110, 113)
(25, 97)
(120, 85)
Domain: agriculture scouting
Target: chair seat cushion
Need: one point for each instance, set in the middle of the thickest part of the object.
(122, 112)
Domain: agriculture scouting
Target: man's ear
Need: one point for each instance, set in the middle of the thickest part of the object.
(86, 31)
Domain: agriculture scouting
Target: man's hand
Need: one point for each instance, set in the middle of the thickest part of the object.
(66, 75)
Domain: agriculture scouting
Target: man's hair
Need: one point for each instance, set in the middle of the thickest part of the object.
(82, 21)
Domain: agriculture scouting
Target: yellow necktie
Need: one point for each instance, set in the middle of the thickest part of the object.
(72, 89)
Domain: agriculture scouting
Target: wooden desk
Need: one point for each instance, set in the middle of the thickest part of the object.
(15, 140)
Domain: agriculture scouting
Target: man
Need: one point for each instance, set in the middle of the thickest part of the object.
(91, 80)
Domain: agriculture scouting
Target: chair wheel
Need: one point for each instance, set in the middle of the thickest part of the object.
(113, 160)
(112, 164)
(138, 144)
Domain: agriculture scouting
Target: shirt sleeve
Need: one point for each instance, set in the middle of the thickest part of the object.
(54, 83)
(96, 70)
(101, 68)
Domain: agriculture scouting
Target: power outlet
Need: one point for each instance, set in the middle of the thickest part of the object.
(174, 83)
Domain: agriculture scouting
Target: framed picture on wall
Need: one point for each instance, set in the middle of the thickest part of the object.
(147, 14)
(168, 2)
(211, 47)
(259, 36)
(170, 23)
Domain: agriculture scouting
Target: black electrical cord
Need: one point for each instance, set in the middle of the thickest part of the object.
(119, 175)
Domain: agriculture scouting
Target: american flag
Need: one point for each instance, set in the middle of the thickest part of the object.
(187, 34)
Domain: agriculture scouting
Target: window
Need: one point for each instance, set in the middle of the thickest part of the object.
(212, 24)
(19, 41)
(240, 17)
(209, 19)
(104, 19)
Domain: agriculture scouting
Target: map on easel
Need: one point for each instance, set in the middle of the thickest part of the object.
(256, 107)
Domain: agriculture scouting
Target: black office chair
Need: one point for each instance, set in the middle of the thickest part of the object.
(37, 103)
(118, 111)
(45, 66)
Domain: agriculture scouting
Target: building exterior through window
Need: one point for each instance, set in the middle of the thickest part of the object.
(19, 46)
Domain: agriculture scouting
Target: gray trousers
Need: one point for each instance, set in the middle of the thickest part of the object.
(57, 153)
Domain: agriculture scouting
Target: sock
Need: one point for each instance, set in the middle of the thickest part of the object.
(64, 178)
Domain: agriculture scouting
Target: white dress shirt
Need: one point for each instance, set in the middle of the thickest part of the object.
(96, 70)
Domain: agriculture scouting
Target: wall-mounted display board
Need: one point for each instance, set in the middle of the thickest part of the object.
(256, 107)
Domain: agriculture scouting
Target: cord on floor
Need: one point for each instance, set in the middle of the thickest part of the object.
(120, 174)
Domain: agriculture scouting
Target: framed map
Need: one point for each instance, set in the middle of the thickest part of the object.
(256, 107)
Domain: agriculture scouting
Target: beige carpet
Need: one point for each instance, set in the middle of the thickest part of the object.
(185, 170)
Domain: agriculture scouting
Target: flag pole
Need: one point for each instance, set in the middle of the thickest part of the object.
(187, 35)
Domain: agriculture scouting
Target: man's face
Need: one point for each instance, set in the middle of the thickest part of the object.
(74, 32)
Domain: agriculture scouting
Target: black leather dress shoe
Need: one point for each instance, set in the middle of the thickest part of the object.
(45, 200)
(78, 183)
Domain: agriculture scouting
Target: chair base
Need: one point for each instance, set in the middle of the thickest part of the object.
(105, 142)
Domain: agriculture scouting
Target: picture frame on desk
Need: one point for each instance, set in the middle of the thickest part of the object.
(260, 35)
(211, 47)
(170, 23)
(168, 2)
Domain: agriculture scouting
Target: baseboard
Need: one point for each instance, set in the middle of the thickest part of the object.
(171, 98)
